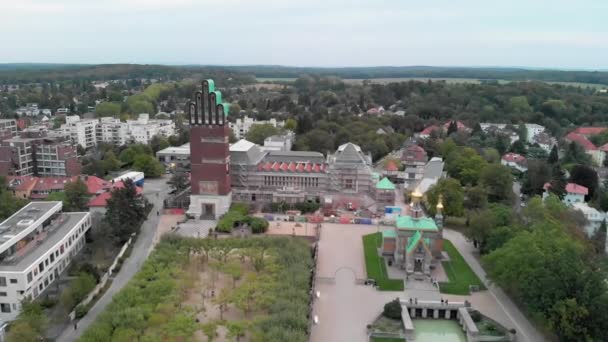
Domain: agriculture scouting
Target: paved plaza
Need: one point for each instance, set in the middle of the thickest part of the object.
(345, 306)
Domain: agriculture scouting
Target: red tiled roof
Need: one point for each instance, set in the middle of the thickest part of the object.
(414, 153)
(391, 166)
(53, 183)
(101, 200)
(589, 130)
(459, 125)
(581, 140)
(514, 158)
(96, 184)
(21, 182)
(428, 130)
(291, 167)
(574, 188)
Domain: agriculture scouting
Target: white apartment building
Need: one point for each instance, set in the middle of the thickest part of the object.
(143, 129)
(533, 130)
(89, 132)
(594, 217)
(112, 131)
(80, 131)
(9, 125)
(241, 127)
(36, 244)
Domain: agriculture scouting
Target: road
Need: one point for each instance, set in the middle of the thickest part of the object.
(517, 192)
(525, 330)
(155, 190)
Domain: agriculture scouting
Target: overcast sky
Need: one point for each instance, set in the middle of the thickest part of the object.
(551, 34)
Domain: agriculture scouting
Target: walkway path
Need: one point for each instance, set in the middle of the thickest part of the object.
(525, 330)
(155, 191)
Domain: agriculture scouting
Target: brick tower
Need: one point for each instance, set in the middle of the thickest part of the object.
(209, 154)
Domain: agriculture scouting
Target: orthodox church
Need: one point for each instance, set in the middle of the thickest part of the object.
(416, 240)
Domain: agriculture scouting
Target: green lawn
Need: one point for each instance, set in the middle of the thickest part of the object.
(459, 273)
(374, 264)
(386, 339)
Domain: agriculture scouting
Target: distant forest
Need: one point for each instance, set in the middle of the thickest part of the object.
(27, 73)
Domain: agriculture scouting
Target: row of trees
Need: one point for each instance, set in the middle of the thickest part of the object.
(544, 261)
(149, 306)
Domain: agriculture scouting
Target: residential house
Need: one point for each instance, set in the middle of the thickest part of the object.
(515, 161)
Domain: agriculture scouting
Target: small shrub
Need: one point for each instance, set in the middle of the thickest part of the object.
(241, 208)
(258, 225)
(476, 316)
(81, 311)
(392, 309)
(48, 302)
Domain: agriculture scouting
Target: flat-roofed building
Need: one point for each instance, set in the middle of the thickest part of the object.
(175, 156)
(37, 243)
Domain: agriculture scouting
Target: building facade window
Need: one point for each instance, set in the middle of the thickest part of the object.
(4, 307)
(2, 281)
(13, 281)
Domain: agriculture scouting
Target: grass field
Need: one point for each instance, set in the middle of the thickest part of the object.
(438, 79)
(374, 264)
(458, 271)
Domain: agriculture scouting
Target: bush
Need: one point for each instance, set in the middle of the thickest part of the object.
(230, 220)
(258, 225)
(242, 208)
(48, 302)
(476, 316)
(81, 311)
(392, 309)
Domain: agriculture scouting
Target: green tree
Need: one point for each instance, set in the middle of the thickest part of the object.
(125, 211)
(585, 176)
(110, 162)
(519, 104)
(234, 270)
(522, 132)
(148, 165)
(392, 309)
(452, 128)
(158, 143)
(599, 239)
(539, 173)
(9, 204)
(475, 198)
(575, 154)
(236, 329)
(291, 124)
(139, 107)
(257, 133)
(78, 290)
(498, 181)
(107, 109)
(553, 155)
(465, 165)
(210, 330)
(179, 181)
(452, 194)
(76, 196)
